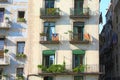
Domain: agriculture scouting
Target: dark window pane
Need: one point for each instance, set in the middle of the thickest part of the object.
(21, 14)
(49, 3)
(1, 15)
(48, 60)
(78, 30)
(19, 72)
(48, 78)
(1, 71)
(77, 60)
(78, 77)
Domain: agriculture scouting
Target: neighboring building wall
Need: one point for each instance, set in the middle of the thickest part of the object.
(64, 48)
(116, 28)
(16, 33)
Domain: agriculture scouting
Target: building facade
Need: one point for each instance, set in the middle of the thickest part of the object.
(109, 51)
(63, 40)
(13, 33)
(116, 28)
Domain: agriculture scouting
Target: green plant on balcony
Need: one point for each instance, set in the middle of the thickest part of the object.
(42, 34)
(43, 68)
(56, 68)
(5, 75)
(21, 20)
(6, 51)
(20, 56)
(80, 68)
(52, 11)
(20, 77)
(53, 68)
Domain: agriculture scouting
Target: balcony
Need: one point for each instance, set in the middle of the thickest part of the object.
(50, 13)
(86, 70)
(4, 59)
(5, 25)
(79, 39)
(3, 0)
(49, 39)
(82, 13)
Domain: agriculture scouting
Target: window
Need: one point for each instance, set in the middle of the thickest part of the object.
(2, 43)
(78, 30)
(1, 14)
(48, 57)
(48, 60)
(49, 3)
(21, 14)
(48, 78)
(49, 29)
(20, 47)
(117, 19)
(78, 77)
(19, 72)
(78, 6)
(77, 60)
(1, 70)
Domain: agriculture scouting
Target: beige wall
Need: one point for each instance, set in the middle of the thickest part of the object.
(64, 24)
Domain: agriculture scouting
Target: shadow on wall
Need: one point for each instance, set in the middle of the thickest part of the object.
(65, 45)
(7, 12)
(17, 30)
(64, 19)
(10, 43)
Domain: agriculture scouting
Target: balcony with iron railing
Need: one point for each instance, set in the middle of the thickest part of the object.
(79, 38)
(49, 39)
(49, 13)
(4, 57)
(81, 70)
(3, 0)
(79, 13)
(6, 2)
(5, 24)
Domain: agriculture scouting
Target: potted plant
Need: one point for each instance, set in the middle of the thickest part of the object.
(7, 19)
(21, 20)
(80, 68)
(19, 77)
(43, 36)
(18, 56)
(6, 51)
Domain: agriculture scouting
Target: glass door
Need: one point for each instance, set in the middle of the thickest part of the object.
(78, 7)
(49, 29)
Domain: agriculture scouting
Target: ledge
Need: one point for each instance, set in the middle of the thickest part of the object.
(50, 16)
(49, 42)
(79, 42)
(70, 73)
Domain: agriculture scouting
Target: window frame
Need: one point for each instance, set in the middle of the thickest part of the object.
(79, 26)
(17, 72)
(19, 14)
(48, 3)
(78, 77)
(19, 42)
(48, 56)
(81, 61)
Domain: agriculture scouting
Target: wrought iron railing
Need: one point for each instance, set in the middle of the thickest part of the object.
(49, 37)
(79, 12)
(5, 60)
(50, 11)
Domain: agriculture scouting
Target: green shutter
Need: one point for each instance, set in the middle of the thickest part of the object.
(78, 51)
(49, 52)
